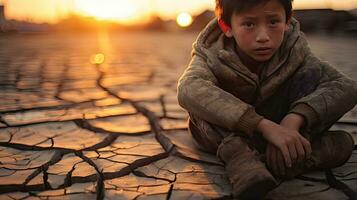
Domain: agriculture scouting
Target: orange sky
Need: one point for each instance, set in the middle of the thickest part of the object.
(130, 11)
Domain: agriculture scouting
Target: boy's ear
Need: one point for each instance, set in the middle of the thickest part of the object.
(229, 33)
(287, 25)
(225, 28)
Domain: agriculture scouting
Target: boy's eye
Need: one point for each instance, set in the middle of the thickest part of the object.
(248, 24)
(274, 21)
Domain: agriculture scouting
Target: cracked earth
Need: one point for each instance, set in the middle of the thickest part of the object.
(72, 129)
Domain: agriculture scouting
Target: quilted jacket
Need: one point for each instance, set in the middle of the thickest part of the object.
(218, 88)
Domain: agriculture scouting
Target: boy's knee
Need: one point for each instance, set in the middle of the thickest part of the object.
(204, 134)
(212, 138)
(338, 145)
(331, 149)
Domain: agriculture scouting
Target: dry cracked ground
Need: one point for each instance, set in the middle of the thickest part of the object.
(70, 129)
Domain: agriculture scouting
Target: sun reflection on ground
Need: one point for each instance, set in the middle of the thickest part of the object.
(97, 58)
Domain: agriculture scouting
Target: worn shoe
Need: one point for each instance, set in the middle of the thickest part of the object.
(248, 175)
(331, 150)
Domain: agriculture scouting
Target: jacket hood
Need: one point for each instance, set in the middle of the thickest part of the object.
(213, 45)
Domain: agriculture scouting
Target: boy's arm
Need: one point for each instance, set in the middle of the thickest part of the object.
(198, 93)
(335, 95)
(293, 121)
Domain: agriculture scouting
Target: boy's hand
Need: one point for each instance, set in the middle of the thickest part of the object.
(295, 122)
(291, 144)
(275, 160)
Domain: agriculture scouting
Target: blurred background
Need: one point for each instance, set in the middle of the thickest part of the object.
(163, 15)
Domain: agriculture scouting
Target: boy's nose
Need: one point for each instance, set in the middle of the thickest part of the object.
(262, 36)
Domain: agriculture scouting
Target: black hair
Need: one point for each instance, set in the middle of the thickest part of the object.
(226, 8)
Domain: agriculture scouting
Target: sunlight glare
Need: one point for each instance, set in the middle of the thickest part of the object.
(97, 59)
(184, 20)
(108, 9)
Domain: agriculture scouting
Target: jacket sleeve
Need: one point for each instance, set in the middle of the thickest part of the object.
(334, 95)
(199, 93)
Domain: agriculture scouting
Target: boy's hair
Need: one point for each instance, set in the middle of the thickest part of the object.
(226, 8)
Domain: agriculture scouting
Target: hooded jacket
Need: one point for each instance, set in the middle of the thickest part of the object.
(218, 88)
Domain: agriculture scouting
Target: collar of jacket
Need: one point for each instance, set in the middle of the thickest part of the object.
(214, 46)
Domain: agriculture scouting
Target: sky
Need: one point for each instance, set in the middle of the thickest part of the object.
(130, 11)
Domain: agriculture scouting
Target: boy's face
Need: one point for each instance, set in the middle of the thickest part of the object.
(259, 31)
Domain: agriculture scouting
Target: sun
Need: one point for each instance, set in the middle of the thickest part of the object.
(113, 10)
(184, 19)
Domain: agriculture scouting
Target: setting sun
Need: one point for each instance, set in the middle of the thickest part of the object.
(130, 11)
(184, 19)
(115, 10)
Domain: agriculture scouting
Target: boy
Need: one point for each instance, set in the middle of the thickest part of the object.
(260, 100)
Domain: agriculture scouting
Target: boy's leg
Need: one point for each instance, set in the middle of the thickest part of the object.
(209, 136)
(330, 148)
(247, 173)
(206, 135)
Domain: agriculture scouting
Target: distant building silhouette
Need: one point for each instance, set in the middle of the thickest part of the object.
(324, 20)
(2, 14)
(315, 19)
(354, 12)
(2, 19)
(321, 20)
(201, 20)
(156, 23)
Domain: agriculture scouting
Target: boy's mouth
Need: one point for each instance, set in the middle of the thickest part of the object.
(263, 50)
